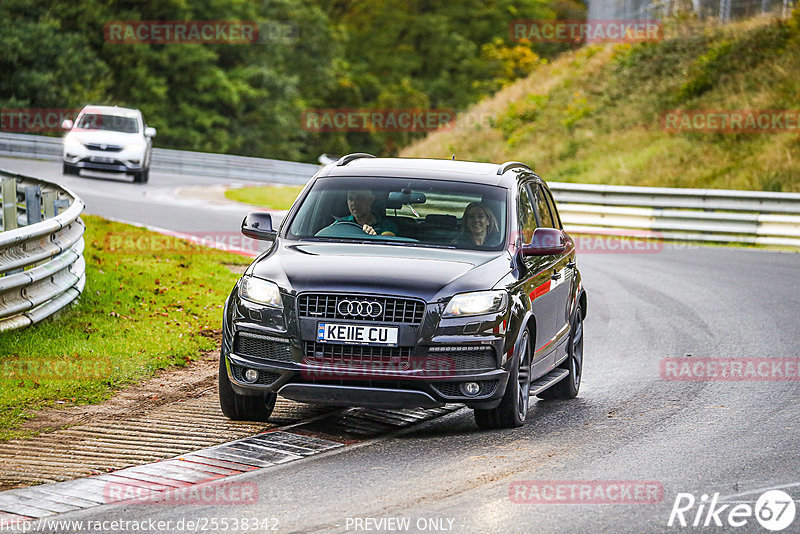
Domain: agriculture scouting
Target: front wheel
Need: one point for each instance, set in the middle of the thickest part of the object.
(69, 169)
(513, 409)
(569, 386)
(243, 407)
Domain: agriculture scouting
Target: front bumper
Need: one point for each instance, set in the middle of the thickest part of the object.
(428, 369)
(127, 161)
(352, 386)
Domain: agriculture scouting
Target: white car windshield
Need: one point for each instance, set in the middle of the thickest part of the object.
(114, 123)
(404, 211)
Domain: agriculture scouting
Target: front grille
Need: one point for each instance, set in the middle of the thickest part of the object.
(260, 347)
(103, 148)
(358, 356)
(393, 310)
(467, 358)
(453, 389)
(265, 378)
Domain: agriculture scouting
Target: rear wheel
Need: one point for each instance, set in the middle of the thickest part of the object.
(513, 409)
(242, 407)
(568, 387)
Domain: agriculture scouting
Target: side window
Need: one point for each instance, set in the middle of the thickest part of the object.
(553, 209)
(527, 219)
(542, 209)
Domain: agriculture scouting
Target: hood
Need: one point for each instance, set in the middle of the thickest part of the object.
(428, 273)
(106, 137)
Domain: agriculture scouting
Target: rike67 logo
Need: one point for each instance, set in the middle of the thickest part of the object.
(774, 510)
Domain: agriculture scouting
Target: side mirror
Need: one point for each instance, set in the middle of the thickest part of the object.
(149, 132)
(67, 124)
(258, 225)
(546, 241)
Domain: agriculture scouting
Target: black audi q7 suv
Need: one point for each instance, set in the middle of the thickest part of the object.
(408, 283)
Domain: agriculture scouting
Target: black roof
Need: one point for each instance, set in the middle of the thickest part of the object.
(441, 169)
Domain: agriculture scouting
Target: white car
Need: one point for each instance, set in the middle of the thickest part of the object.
(109, 139)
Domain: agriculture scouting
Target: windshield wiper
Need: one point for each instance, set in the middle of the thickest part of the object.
(380, 242)
(416, 244)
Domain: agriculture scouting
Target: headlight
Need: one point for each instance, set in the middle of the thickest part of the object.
(135, 146)
(70, 143)
(261, 291)
(477, 303)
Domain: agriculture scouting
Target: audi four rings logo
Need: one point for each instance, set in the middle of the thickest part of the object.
(359, 308)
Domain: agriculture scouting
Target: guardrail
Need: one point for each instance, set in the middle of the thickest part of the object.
(175, 161)
(41, 250)
(704, 215)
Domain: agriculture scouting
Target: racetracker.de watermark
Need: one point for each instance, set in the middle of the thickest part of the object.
(619, 242)
(35, 120)
(377, 120)
(48, 368)
(210, 493)
(588, 31)
(180, 243)
(198, 32)
(365, 365)
(731, 121)
(731, 369)
(586, 492)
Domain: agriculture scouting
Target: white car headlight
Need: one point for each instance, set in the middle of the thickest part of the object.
(135, 146)
(260, 291)
(477, 303)
(70, 143)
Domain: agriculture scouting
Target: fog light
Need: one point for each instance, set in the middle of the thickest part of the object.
(251, 375)
(470, 389)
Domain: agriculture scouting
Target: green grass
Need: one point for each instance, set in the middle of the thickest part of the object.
(594, 115)
(144, 308)
(276, 197)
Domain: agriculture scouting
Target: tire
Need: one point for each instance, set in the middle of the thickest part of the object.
(137, 177)
(69, 170)
(568, 387)
(145, 175)
(242, 407)
(513, 408)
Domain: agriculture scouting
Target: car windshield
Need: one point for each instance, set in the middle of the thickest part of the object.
(114, 123)
(404, 211)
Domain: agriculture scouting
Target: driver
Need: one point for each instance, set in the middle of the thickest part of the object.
(359, 201)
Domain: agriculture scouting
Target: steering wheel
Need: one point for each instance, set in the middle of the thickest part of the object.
(360, 227)
(343, 229)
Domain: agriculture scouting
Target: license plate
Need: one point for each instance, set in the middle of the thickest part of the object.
(356, 334)
(98, 159)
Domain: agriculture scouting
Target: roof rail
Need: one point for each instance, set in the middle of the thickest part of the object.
(508, 165)
(344, 160)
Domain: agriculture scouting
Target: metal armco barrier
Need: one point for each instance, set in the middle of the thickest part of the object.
(705, 215)
(175, 161)
(41, 250)
(709, 215)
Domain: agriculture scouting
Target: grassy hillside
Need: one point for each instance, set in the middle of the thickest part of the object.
(594, 115)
